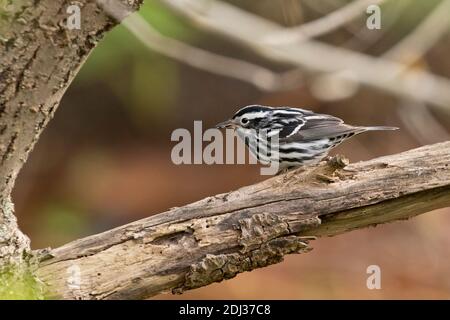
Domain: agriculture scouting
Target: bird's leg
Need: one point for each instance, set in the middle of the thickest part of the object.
(283, 171)
(323, 177)
(332, 164)
(296, 174)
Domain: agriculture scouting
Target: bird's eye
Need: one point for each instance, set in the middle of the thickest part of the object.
(244, 121)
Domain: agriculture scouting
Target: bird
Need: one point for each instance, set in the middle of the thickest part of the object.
(304, 137)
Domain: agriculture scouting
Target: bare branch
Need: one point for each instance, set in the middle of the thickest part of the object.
(258, 76)
(220, 236)
(321, 26)
(364, 37)
(315, 57)
(416, 44)
(422, 124)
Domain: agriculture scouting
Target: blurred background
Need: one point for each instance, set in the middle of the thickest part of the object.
(105, 158)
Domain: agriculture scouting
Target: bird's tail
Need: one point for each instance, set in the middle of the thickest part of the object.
(379, 128)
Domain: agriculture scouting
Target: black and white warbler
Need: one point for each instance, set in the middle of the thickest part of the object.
(303, 137)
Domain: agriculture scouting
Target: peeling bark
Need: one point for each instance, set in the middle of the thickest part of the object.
(220, 236)
(39, 58)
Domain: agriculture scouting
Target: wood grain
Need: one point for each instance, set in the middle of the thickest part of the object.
(220, 236)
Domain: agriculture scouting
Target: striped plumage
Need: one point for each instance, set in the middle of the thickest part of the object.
(304, 137)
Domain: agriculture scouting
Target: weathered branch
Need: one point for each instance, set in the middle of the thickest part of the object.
(220, 236)
(39, 57)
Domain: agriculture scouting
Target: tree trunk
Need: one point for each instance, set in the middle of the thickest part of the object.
(39, 57)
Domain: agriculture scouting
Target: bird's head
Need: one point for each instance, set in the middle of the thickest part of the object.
(249, 117)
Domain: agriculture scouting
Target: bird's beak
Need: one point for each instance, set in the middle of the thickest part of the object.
(226, 124)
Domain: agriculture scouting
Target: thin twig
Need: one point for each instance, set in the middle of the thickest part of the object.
(416, 44)
(422, 124)
(390, 16)
(260, 77)
(320, 26)
(316, 57)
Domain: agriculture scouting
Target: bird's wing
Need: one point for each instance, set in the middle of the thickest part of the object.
(288, 121)
(317, 126)
(294, 126)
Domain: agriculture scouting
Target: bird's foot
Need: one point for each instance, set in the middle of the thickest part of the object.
(285, 170)
(338, 161)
